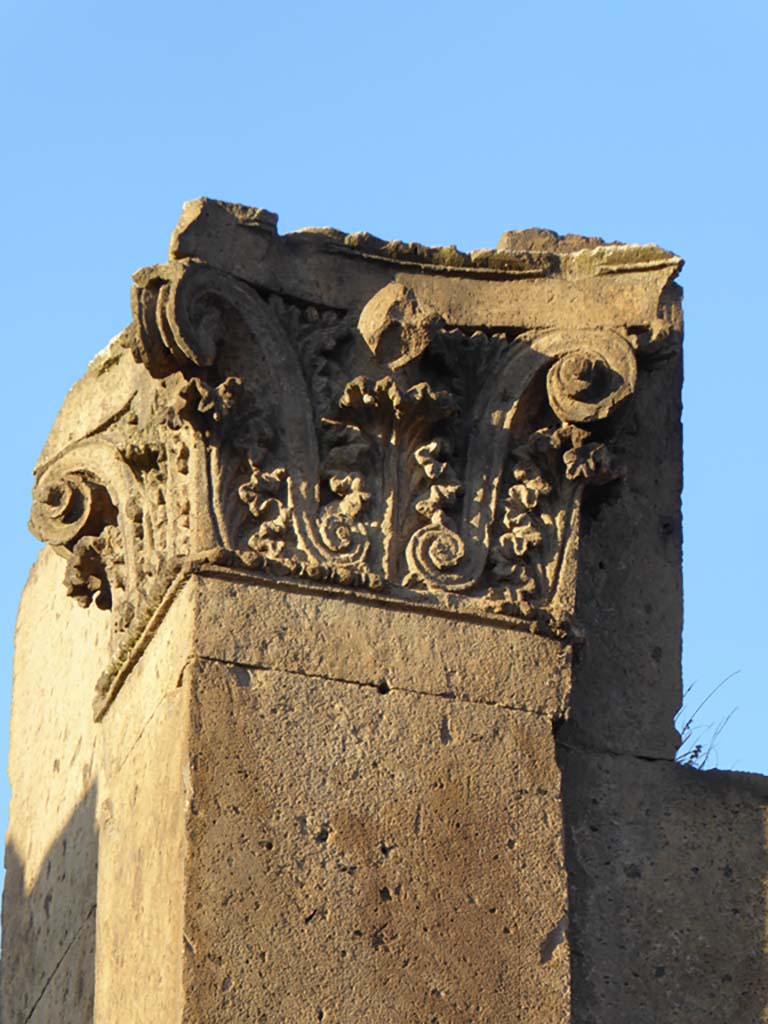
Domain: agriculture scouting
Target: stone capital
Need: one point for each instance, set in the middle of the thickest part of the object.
(414, 425)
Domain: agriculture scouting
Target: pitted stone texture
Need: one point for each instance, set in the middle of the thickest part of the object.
(52, 843)
(68, 998)
(94, 865)
(356, 855)
(667, 868)
(360, 524)
(321, 634)
(626, 678)
(143, 802)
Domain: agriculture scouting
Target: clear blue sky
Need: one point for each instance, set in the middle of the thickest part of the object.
(441, 122)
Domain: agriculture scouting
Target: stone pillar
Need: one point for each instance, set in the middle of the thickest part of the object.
(364, 546)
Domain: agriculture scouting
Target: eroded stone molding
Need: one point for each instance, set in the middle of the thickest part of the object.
(379, 446)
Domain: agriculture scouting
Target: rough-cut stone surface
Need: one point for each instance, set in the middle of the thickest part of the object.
(320, 634)
(51, 852)
(94, 855)
(374, 856)
(144, 800)
(626, 680)
(368, 602)
(668, 874)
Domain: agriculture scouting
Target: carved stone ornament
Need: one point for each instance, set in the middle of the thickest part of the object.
(378, 444)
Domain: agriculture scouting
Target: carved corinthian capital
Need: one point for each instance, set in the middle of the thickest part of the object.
(418, 424)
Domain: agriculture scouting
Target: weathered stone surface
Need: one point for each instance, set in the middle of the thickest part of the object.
(359, 413)
(668, 871)
(626, 679)
(68, 995)
(371, 643)
(144, 801)
(94, 850)
(361, 536)
(373, 856)
(52, 842)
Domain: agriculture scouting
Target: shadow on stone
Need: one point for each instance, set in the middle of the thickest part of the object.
(667, 868)
(49, 928)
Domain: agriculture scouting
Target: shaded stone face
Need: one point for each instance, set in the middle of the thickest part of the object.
(357, 551)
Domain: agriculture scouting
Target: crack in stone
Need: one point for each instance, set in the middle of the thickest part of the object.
(584, 748)
(382, 687)
(61, 960)
(147, 723)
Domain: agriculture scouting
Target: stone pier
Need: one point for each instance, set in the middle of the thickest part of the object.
(345, 682)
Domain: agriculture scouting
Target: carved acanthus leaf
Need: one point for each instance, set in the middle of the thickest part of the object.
(268, 432)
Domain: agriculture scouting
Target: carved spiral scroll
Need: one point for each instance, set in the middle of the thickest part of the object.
(345, 541)
(69, 507)
(178, 316)
(84, 496)
(589, 374)
(184, 312)
(594, 373)
(75, 513)
(433, 552)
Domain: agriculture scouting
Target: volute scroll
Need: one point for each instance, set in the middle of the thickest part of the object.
(594, 373)
(378, 446)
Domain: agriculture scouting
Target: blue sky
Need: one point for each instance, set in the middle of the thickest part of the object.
(438, 122)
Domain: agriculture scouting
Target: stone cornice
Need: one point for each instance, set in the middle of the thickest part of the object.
(207, 226)
(396, 444)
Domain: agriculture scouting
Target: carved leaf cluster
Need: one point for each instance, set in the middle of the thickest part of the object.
(272, 434)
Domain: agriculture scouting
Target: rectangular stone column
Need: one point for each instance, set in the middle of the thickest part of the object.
(361, 547)
(373, 834)
(307, 806)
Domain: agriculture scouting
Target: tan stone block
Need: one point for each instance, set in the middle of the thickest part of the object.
(362, 856)
(142, 873)
(68, 996)
(323, 634)
(143, 802)
(626, 681)
(351, 530)
(60, 651)
(668, 870)
(49, 926)
(52, 845)
(97, 821)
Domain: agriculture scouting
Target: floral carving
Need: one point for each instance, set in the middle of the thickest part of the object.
(94, 571)
(264, 494)
(591, 463)
(204, 406)
(382, 448)
(388, 428)
(339, 520)
(436, 547)
(540, 509)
